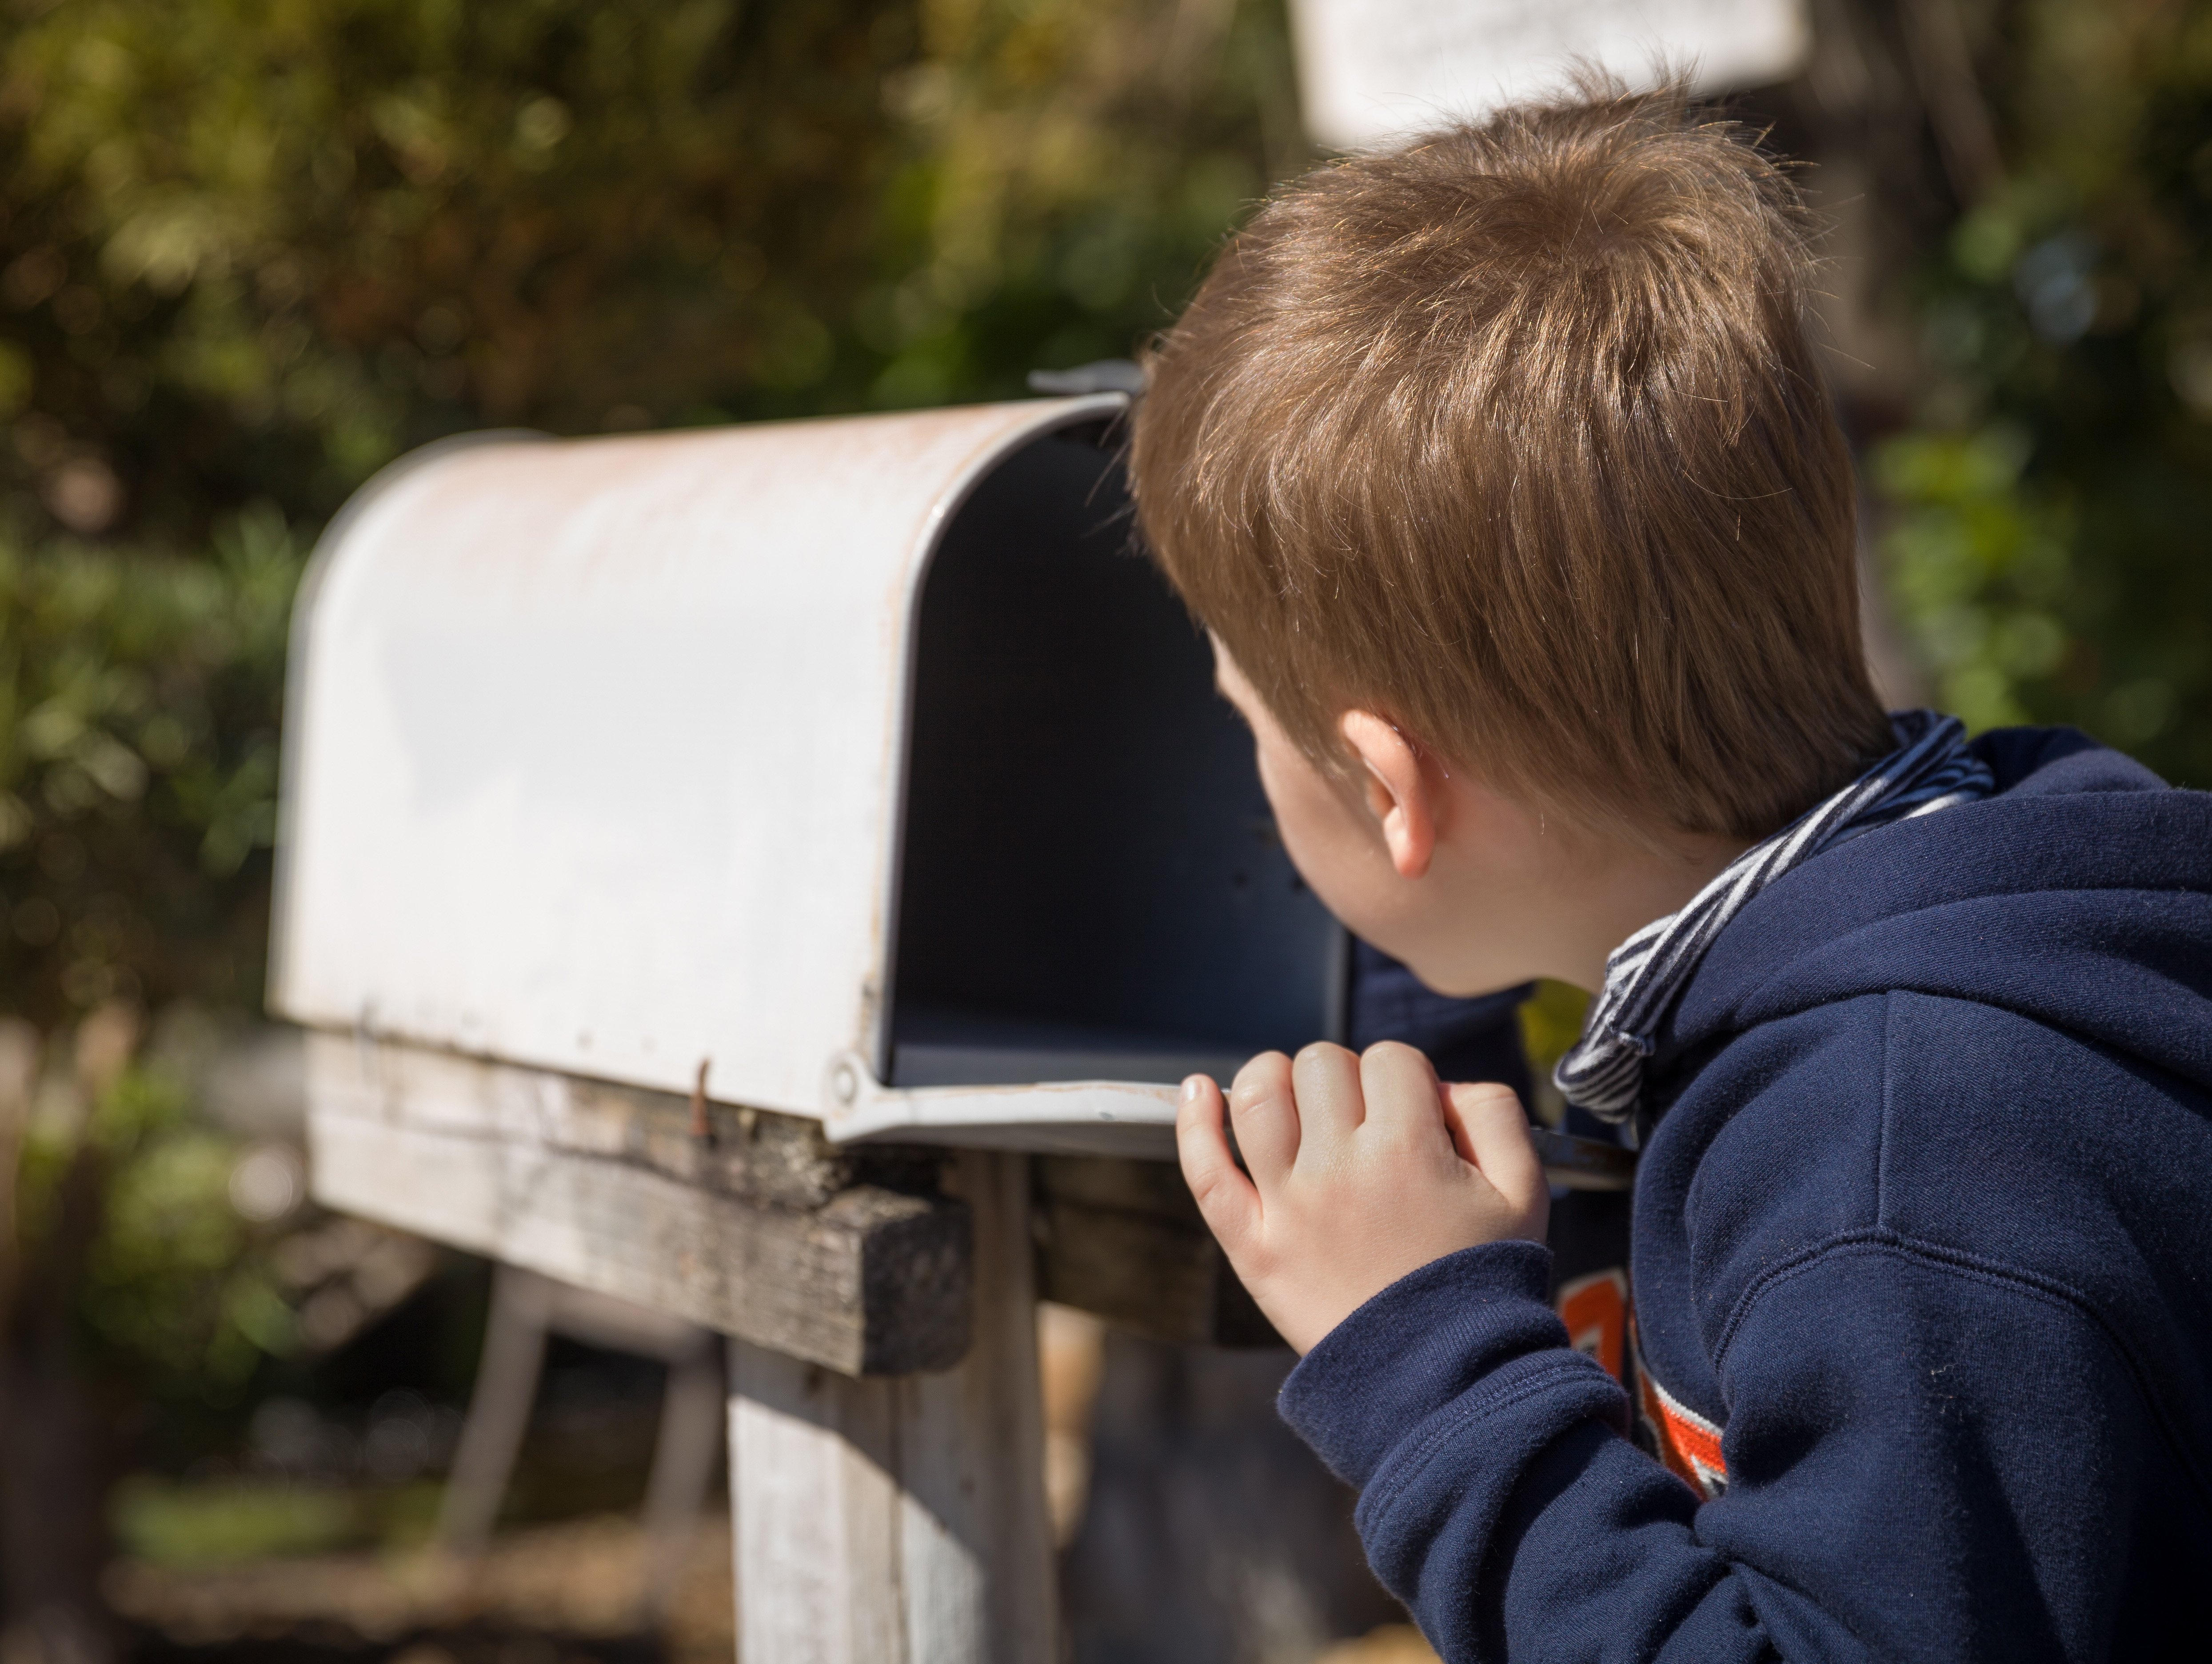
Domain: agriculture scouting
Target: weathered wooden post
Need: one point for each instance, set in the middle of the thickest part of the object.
(775, 875)
(903, 1517)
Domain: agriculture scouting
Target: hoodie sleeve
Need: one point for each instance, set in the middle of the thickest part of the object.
(1911, 1443)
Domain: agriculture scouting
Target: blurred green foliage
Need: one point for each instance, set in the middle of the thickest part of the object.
(259, 245)
(175, 1525)
(216, 1523)
(255, 248)
(138, 716)
(172, 1293)
(1065, 171)
(2050, 501)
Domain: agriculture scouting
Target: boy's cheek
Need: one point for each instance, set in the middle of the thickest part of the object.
(1339, 854)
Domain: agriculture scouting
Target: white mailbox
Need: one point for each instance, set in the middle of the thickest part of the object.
(862, 761)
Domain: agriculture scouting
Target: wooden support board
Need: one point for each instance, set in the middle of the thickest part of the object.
(1122, 1238)
(851, 1257)
(759, 1228)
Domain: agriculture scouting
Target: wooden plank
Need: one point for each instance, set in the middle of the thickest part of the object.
(753, 1154)
(903, 1522)
(1123, 1238)
(869, 1281)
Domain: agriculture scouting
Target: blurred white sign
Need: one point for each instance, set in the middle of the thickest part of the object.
(1374, 70)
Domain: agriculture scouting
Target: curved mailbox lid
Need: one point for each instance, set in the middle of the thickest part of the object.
(593, 752)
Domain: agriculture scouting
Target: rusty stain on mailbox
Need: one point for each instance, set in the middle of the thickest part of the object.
(861, 756)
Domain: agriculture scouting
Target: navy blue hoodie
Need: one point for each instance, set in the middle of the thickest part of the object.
(1922, 1278)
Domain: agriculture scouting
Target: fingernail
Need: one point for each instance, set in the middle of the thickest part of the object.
(1192, 1086)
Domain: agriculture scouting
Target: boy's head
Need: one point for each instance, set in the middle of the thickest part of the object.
(1516, 437)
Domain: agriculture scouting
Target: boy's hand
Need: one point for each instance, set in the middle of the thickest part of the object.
(1362, 1170)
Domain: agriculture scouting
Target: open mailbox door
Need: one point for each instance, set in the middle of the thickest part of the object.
(858, 760)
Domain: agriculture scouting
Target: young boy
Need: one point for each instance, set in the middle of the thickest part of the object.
(1501, 469)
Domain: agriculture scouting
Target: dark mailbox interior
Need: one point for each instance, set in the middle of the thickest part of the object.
(1092, 887)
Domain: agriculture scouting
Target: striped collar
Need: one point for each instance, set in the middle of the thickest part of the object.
(1603, 1072)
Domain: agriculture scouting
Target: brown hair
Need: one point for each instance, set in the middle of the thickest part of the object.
(1515, 436)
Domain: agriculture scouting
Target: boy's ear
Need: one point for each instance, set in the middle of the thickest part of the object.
(1400, 793)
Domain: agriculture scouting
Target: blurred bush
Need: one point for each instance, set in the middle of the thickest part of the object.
(2050, 497)
(138, 712)
(253, 249)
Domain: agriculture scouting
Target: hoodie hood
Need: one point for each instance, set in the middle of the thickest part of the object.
(2077, 894)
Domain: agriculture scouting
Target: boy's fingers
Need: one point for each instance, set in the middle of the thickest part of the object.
(1491, 1131)
(1224, 1195)
(1330, 1103)
(1399, 1085)
(1264, 1110)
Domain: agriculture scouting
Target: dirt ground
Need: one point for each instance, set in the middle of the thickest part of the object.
(567, 1593)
